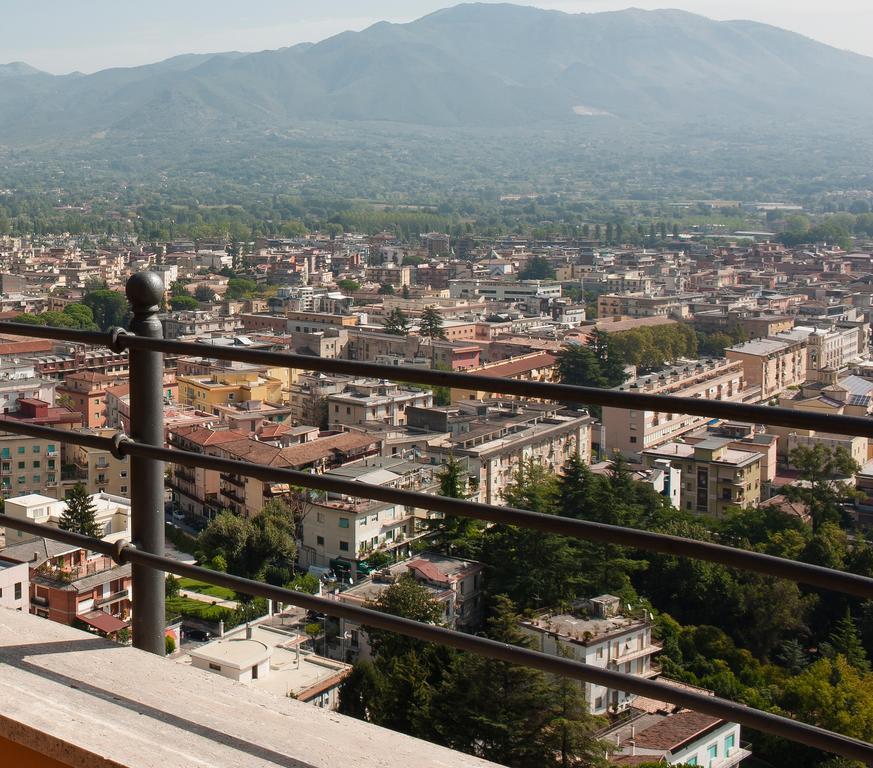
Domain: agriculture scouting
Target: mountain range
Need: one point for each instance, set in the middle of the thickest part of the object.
(479, 64)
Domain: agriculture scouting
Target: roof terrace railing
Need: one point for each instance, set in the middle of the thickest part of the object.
(145, 448)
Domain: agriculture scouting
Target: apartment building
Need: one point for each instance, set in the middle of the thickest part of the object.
(340, 531)
(98, 469)
(455, 583)
(600, 635)
(18, 381)
(831, 348)
(491, 439)
(641, 305)
(295, 322)
(504, 290)
(308, 397)
(85, 392)
(68, 584)
(676, 738)
(14, 585)
(770, 364)
(536, 366)
(237, 384)
(33, 464)
(715, 476)
(368, 400)
(111, 513)
(632, 431)
(389, 274)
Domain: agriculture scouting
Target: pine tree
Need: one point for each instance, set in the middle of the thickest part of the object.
(496, 710)
(454, 534)
(396, 323)
(844, 640)
(80, 513)
(431, 323)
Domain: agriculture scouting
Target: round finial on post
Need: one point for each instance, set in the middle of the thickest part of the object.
(144, 292)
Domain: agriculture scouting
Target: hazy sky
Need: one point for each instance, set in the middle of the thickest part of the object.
(87, 35)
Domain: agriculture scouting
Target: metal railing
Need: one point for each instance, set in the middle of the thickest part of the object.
(145, 448)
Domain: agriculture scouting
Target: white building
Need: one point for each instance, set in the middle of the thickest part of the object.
(599, 635)
(14, 585)
(504, 290)
(271, 659)
(112, 514)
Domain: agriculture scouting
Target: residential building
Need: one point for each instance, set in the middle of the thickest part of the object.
(681, 738)
(631, 431)
(111, 513)
(492, 438)
(340, 530)
(509, 291)
(455, 583)
(366, 400)
(69, 584)
(771, 365)
(715, 476)
(98, 469)
(536, 366)
(597, 633)
(14, 585)
(85, 392)
(237, 384)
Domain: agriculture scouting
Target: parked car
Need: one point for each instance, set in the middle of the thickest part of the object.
(198, 635)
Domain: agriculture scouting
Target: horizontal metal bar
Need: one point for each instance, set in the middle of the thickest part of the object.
(586, 530)
(610, 398)
(97, 338)
(766, 722)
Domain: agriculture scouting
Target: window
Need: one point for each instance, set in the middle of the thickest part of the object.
(362, 520)
(691, 761)
(320, 517)
(633, 438)
(598, 702)
(22, 464)
(729, 743)
(36, 465)
(123, 474)
(123, 489)
(36, 479)
(255, 672)
(21, 449)
(36, 449)
(344, 546)
(51, 463)
(22, 480)
(18, 590)
(712, 753)
(319, 540)
(343, 522)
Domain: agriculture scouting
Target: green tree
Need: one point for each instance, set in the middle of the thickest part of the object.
(820, 467)
(79, 514)
(169, 645)
(845, 641)
(396, 323)
(348, 285)
(496, 710)
(171, 586)
(431, 323)
(407, 598)
(240, 288)
(109, 308)
(386, 289)
(537, 268)
(178, 303)
(262, 548)
(204, 293)
(454, 534)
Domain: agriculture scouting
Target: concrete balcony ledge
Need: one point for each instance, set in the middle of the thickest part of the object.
(69, 698)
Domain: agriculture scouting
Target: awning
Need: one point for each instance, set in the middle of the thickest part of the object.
(102, 621)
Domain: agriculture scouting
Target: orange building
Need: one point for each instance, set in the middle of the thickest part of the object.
(86, 391)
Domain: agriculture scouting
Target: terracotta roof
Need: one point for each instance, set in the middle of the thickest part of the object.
(273, 430)
(784, 504)
(92, 376)
(119, 390)
(635, 759)
(8, 346)
(515, 367)
(103, 621)
(428, 570)
(299, 455)
(203, 436)
(674, 731)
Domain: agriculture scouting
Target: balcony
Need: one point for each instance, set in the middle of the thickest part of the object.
(233, 480)
(135, 696)
(233, 495)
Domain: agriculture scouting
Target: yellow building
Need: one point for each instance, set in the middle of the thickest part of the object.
(98, 469)
(232, 385)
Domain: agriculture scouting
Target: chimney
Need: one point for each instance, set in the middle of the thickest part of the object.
(633, 746)
(248, 631)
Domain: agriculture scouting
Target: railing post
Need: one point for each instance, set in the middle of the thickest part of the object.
(144, 292)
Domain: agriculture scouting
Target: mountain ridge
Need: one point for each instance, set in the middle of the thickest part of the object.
(476, 64)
